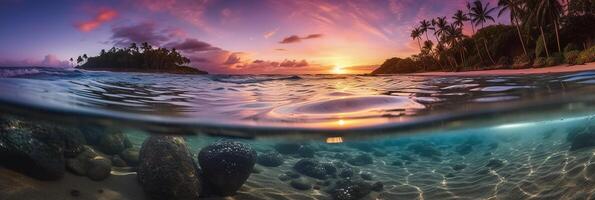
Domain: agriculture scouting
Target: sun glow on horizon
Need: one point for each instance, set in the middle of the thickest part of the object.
(339, 70)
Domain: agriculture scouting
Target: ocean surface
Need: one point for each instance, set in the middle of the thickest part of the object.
(325, 136)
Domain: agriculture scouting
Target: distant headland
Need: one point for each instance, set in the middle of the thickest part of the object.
(138, 59)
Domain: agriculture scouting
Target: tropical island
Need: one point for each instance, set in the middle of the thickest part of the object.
(135, 59)
(542, 33)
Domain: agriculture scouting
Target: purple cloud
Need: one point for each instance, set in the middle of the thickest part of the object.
(191, 45)
(138, 33)
(295, 38)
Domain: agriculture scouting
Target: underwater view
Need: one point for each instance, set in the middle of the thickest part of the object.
(297, 100)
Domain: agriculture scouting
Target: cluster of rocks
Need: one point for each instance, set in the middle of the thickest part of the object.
(339, 178)
(167, 169)
(45, 151)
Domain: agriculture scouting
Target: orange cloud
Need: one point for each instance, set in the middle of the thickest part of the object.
(104, 15)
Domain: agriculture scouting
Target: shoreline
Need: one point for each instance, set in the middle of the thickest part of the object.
(564, 68)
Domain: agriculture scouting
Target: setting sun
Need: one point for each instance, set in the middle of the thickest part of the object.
(339, 70)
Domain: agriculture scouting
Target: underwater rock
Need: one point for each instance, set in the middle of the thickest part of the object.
(300, 184)
(99, 168)
(130, 155)
(425, 150)
(313, 168)
(270, 159)
(113, 143)
(76, 166)
(350, 190)
(306, 151)
(167, 170)
(287, 148)
(459, 167)
(291, 174)
(34, 149)
(118, 162)
(74, 142)
(582, 140)
(495, 163)
(449, 175)
(227, 165)
(346, 173)
(366, 175)
(361, 159)
(378, 186)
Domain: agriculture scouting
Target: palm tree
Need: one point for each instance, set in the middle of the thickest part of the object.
(514, 6)
(549, 11)
(473, 32)
(480, 14)
(424, 25)
(440, 27)
(459, 19)
(79, 60)
(416, 35)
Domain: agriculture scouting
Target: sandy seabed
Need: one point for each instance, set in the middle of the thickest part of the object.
(535, 165)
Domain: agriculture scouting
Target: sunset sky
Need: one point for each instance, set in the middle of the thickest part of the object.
(222, 36)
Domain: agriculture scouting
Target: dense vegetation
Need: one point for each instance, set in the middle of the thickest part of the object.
(143, 59)
(542, 33)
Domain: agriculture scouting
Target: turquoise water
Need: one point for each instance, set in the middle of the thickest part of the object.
(69, 134)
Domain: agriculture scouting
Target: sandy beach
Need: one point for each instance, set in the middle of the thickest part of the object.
(564, 68)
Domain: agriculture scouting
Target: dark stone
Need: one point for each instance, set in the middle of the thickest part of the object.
(99, 168)
(350, 190)
(582, 140)
(35, 149)
(167, 170)
(270, 159)
(75, 193)
(113, 143)
(361, 159)
(287, 148)
(366, 176)
(227, 165)
(118, 162)
(459, 167)
(306, 151)
(313, 168)
(495, 163)
(300, 184)
(449, 175)
(76, 166)
(74, 142)
(346, 173)
(291, 174)
(378, 186)
(425, 150)
(130, 155)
